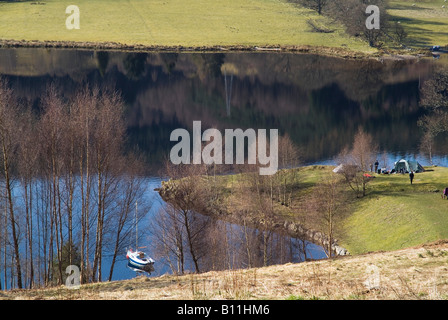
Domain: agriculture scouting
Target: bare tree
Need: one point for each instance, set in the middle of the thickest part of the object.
(83, 110)
(434, 98)
(357, 161)
(287, 180)
(218, 254)
(329, 203)
(191, 193)
(427, 145)
(51, 135)
(9, 144)
(352, 13)
(179, 237)
(63, 166)
(434, 94)
(399, 34)
(106, 143)
(130, 191)
(28, 169)
(317, 5)
(168, 242)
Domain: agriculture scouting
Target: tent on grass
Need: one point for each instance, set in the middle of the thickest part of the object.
(408, 166)
(346, 168)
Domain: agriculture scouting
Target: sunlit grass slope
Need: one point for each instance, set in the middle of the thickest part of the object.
(396, 214)
(393, 215)
(425, 21)
(173, 23)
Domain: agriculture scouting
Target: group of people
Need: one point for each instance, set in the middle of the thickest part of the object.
(411, 174)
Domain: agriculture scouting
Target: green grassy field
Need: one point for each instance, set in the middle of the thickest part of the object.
(425, 21)
(206, 23)
(393, 215)
(396, 214)
(173, 23)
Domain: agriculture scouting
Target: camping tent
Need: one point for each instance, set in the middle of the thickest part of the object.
(408, 166)
(345, 168)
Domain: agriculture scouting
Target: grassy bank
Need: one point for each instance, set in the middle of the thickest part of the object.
(425, 21)
(412, 273)
(396, 214)
(173, 23)
(393, 215)
(206, 23)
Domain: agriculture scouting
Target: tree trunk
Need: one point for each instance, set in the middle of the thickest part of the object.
(11, 215)
(190, 241)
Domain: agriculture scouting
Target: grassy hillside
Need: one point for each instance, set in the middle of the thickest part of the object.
(207, 23)
(172, 23)
(412, 273)
(396, 214)
(425, 21)
(393, 215)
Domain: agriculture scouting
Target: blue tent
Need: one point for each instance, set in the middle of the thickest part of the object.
(408, 166)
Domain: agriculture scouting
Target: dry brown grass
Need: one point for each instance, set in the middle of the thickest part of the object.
(413, 273)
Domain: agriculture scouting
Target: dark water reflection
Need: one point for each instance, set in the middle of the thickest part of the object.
(320, 102)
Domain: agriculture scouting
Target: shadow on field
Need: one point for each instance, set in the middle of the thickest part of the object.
(418, 35)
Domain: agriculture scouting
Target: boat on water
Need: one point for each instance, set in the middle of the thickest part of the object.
(139, 261)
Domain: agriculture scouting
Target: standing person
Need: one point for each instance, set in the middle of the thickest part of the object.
(411, 176)
(376, 166)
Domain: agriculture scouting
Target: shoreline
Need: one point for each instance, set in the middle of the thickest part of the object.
(301, 49)
(280, 224)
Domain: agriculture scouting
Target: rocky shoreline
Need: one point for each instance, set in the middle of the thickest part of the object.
(319, 50)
